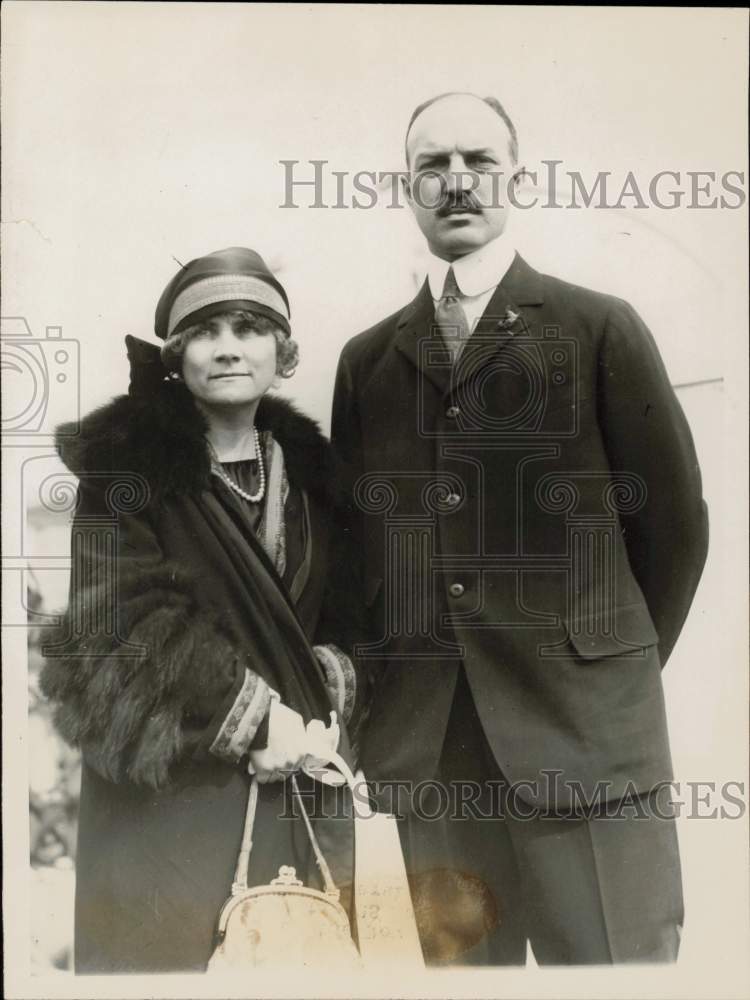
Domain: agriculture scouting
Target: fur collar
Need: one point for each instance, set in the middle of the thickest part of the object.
(158, 432)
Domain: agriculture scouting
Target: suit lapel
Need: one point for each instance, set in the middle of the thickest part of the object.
(420, 340)
(519, 289)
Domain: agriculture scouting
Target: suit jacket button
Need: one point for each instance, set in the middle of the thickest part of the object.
(456, 590)
(452, 412)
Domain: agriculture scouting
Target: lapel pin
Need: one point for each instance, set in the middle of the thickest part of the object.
(508, 321)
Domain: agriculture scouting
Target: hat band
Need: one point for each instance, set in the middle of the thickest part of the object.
(224, 288)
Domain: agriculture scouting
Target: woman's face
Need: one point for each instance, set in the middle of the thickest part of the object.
(229, 363)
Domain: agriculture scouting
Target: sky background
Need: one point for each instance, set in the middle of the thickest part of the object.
(136, 135)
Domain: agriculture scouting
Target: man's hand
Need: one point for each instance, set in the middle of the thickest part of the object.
(286, 748)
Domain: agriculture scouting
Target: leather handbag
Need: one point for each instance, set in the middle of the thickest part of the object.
(268, 926)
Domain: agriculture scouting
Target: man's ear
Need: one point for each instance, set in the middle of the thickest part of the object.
(518, 176)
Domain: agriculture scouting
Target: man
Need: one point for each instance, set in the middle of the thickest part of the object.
(526, 503)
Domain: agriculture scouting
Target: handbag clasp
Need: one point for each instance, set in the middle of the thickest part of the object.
(287, 876)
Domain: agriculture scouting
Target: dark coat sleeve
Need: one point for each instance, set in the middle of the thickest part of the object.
(140, 672)
(646, 433)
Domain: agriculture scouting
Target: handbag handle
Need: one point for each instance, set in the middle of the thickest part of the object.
(243, 860)
(240, 873)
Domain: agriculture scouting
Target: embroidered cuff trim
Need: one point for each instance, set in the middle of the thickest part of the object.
(340, 677)
(246, 714)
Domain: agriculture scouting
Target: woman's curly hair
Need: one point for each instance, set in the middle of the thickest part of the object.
(287, 351)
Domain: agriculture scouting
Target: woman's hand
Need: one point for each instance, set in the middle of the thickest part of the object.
(287, 745)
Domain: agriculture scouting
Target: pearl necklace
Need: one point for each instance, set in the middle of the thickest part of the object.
(235, 487)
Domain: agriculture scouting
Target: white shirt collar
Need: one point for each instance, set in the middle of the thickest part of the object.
(475, 273)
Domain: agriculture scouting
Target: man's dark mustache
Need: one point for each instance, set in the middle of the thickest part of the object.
(465, 201)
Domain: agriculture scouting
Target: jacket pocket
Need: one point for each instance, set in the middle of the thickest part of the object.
(629, 629)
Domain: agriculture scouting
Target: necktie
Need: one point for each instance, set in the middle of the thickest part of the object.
(451, 318)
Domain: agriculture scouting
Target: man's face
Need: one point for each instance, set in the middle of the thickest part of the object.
(453, 146)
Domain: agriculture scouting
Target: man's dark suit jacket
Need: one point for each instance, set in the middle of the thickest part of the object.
(534, 513)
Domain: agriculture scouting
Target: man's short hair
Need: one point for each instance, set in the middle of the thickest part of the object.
(491, 102)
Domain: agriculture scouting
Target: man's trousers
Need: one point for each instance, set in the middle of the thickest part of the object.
(489, 873)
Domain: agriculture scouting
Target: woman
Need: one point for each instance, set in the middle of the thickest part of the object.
(185, 654)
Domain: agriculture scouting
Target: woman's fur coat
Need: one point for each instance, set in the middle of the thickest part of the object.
(174, 610)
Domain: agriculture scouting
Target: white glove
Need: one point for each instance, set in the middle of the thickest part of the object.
(286, 750)
(293, 746)
(322, 743)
